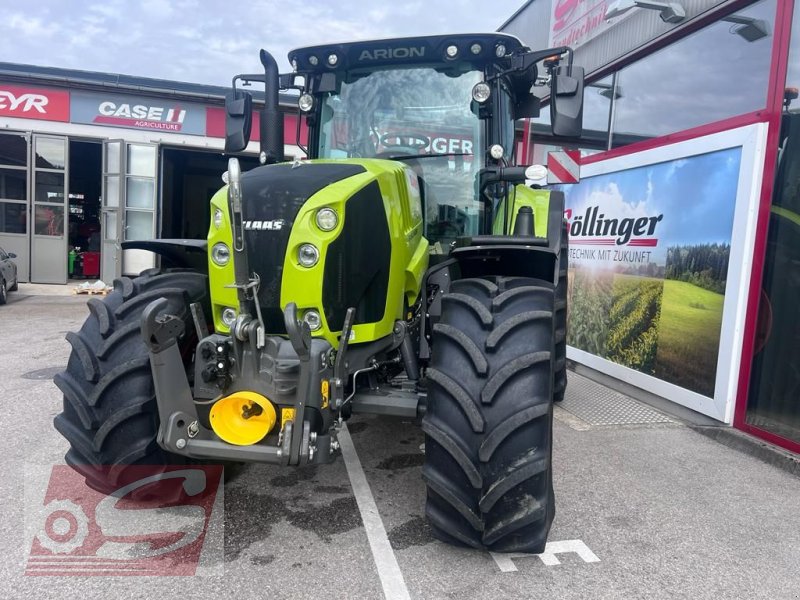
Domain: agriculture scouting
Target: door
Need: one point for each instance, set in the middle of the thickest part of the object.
(50, 209)
(110, 218)
(129, 206)
(139, 218)
(15, 198)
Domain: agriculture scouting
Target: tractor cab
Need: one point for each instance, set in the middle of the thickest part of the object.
(443, 105)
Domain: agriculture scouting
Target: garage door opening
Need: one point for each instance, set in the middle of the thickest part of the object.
(85, 168)
(189, 179)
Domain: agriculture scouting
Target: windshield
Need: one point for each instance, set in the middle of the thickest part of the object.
(424, 118)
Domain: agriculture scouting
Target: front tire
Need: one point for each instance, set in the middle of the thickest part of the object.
(110, 416)
(488, 424)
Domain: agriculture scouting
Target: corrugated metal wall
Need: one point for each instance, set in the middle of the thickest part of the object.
(532, 25)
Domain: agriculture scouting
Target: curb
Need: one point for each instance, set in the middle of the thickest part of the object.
(752, 446)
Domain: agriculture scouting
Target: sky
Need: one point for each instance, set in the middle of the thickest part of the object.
(209, 41)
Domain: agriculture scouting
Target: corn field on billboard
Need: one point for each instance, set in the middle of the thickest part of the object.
(655, 247)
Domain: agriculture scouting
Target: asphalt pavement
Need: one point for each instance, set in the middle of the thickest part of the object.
(646, 506)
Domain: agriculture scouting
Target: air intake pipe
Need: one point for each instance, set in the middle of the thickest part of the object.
(271, 126)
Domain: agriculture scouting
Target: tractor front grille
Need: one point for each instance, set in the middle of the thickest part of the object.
(273, 196)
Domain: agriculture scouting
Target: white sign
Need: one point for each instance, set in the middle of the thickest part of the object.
(575, 22)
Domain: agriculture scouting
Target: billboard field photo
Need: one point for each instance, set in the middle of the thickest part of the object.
(649, 254)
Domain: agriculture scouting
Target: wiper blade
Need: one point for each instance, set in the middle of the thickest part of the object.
(413, 156)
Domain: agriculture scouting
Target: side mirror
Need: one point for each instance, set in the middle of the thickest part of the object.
(566, 101)
(238, 120)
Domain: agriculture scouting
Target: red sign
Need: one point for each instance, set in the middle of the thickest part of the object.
(575, 22)
(215, 126)
(34, 103)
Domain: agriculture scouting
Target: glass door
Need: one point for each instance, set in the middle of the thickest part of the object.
(50, 210)
(110, 219)
(15, 199)
(139, 222)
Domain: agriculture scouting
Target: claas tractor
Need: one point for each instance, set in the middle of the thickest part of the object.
(404, 269)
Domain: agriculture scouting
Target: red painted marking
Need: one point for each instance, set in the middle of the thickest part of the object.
(558, 170)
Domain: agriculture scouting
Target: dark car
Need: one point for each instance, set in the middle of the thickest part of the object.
(8, 275)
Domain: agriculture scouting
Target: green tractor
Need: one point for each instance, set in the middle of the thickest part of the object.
(404, 269)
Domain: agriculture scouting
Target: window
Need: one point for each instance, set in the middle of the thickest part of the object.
(775, 379)
(718, 72)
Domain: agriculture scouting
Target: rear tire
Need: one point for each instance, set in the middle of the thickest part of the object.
(14, 287)
(110, 416)
(3, 292)
(488, 424)
(560, 379)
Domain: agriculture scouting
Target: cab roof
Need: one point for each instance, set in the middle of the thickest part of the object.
(473, 48)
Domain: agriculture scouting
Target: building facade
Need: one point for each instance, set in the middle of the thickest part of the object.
(685, 228)
(88, 160)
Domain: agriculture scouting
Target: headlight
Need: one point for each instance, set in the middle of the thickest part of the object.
(306, 102)
(313, 320)
(220, 254)
(228, 317)
(481, 92)
(327, 219)
(307, 255)
(218, 217)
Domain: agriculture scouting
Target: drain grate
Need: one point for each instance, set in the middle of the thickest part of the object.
(599, 405)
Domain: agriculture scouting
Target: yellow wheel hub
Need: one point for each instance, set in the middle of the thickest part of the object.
(243, 418)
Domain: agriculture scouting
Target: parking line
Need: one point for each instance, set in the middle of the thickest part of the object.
(394, 586)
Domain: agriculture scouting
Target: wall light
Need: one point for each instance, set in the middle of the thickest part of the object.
(748, 28)
(670, 12)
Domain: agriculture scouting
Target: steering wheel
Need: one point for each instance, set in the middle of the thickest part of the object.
(416, 141)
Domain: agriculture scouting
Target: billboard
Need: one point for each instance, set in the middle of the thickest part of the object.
(27, 102)
(138, 112)
(659, 256)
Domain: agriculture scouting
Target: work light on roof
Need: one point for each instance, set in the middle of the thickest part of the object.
(451, 51)
(332, 59)
(500, 50)
(475, 48)
(313, 60)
